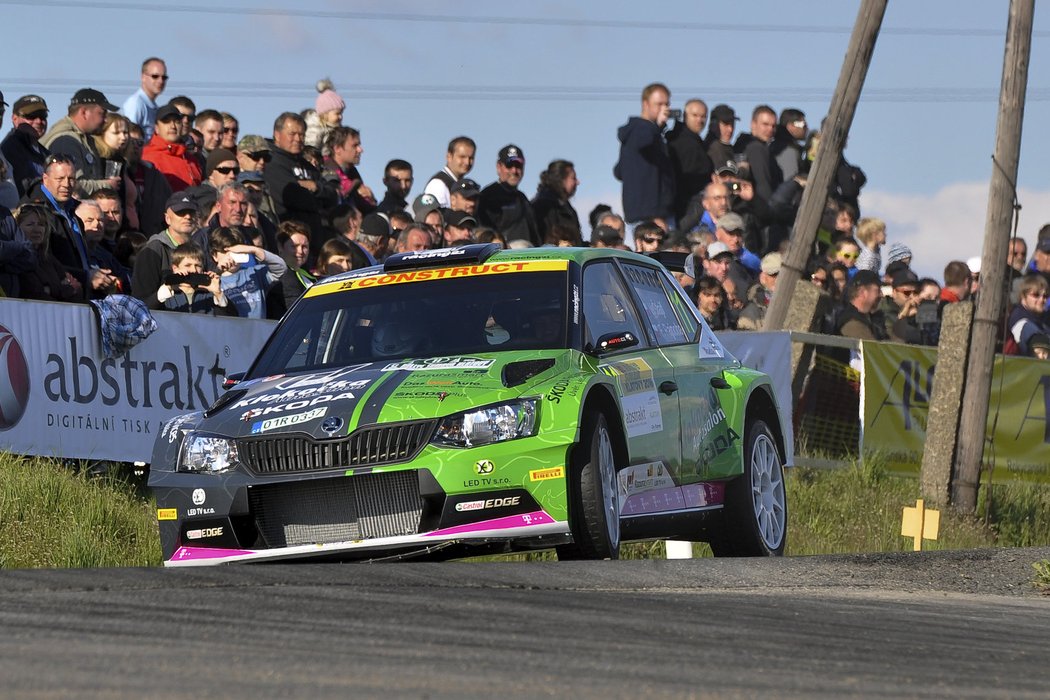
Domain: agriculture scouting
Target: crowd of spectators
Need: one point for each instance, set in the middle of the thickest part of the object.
(174, 206)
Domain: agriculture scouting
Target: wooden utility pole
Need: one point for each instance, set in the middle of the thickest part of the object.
(832, 136)
(974, 419)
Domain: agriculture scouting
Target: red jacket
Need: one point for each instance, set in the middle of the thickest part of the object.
(180, 169)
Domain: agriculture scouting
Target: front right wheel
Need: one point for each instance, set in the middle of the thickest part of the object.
(755, 512)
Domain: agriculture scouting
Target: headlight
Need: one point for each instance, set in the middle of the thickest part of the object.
(207, 454)
(506, 421)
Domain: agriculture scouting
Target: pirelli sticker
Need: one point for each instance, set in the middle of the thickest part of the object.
(439, 273)
(167, 514)
(545, 474)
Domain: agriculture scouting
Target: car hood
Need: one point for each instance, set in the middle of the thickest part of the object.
(336, 402)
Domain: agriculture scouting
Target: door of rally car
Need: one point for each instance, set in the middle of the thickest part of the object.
(643, 375)
(710, 448)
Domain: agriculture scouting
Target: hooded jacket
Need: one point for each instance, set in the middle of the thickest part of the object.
(645, 170)
(178, 167)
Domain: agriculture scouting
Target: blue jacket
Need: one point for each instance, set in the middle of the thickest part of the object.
(645, 170)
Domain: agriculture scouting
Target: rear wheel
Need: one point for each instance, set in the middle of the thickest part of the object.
(755, 515)
(594, 500)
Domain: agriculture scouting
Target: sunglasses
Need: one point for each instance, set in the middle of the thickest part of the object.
(225, 170)
(188, 117)
(849, 256)
(158, 76)
(260, 155)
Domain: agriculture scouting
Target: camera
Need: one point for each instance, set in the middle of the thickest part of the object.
(675, 114)
(734, 187)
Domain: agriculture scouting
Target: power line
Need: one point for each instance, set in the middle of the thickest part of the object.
(566, 22)
(527, 93)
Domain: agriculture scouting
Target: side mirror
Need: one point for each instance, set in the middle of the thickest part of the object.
(611, 342)
(232, 380)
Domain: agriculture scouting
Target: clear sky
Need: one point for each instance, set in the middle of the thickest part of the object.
(558, 78)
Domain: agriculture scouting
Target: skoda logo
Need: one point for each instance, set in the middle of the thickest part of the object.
(332, 424)
(14, 380)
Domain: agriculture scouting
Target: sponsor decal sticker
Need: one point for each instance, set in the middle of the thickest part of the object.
(285, 421)
(641, 405)
(167, 514)
(436, 363)
(488, 503)
(545, 474)
(439, 274)
(639, 478)
(204, 533)
(484, 466)
(199, 497)
(293, 406)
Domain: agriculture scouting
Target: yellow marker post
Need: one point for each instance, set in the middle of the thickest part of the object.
(920, 524)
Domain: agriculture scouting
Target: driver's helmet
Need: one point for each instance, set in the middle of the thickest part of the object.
(395, 339)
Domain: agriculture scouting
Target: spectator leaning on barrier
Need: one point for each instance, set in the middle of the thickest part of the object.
(17, 254)
(99, 258)
(153, 262)
(244, 287)
(1028, 317)
(459, 160)
(47, 278)
(188, 259)
(71, 136)
(141, 107)
(644, 166)
(21, 147)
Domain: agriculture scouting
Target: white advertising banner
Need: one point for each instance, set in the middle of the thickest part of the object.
(769, 352)
(61, 397)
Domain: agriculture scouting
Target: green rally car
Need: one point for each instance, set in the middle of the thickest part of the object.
(473, 400)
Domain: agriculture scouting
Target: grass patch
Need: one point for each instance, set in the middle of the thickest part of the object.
(54, 516)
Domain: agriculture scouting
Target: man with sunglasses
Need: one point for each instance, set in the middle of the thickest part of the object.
(141, 108)
(72, 136)
(253, 153)
(153, 261)
(900, 308)
(21, 147)
(504, 207)
(167, 151)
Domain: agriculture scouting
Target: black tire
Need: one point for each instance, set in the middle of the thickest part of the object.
(594, 495)
(755, 514)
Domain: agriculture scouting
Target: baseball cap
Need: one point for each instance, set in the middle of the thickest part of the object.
(253, 143)
(771, 263)
(460, 218)
(865, 277)
(250, 176)
(219, 155)
(1043, 245)
(90, 96)
(904, 277)
(728, 167)
(29, 104)
(606, 235)
(511, 155)
(731, 222)
(180, 201)
(167, 112)
(724, 114)
(375, 225)
(423, 205)
(467, 188)
(717, 248)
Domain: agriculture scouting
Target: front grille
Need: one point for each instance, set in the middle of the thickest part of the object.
(337, 510)
(365, 447)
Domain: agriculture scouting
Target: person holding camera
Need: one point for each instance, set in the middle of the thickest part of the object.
(190, 288)
(900, 309)
(644, 166)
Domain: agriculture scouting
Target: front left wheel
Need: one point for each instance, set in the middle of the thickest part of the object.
(594, 498)
(755, 512)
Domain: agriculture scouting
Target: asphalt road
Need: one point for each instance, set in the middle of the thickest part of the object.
(948, 624)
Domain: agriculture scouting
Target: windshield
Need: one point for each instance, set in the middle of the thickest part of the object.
(438, 318)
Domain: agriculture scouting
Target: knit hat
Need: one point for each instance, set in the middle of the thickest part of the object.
(329, 99)
(897, 251)
(219, 155)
